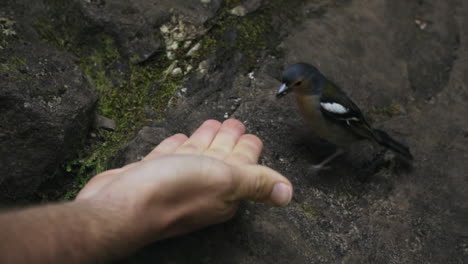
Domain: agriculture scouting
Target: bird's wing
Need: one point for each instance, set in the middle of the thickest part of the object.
(338, 108)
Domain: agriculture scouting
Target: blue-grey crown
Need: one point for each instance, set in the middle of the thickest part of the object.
(299, 71)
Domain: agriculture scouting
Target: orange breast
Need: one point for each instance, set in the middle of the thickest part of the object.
(308, 105)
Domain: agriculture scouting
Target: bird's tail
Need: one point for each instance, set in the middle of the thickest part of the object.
(385, 140)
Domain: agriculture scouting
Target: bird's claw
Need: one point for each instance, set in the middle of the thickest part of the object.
(322, 165)
(319, 167)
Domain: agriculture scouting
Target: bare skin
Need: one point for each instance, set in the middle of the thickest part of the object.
(184, 184)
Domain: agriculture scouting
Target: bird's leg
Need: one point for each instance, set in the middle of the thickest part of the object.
(321, 165)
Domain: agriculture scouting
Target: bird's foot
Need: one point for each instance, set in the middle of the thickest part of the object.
(319, 167)
(322, 165)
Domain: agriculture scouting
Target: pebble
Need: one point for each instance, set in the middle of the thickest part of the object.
(193, 50)
(238, 11)
(173, 46)
(105, 123)
(170, 55)
(164, 29)
(176, 72)
(187, 44)
(171, 67)
(203, 67)
(422, 25)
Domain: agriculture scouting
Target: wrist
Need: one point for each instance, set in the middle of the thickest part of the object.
(135, 221)
(111, 228)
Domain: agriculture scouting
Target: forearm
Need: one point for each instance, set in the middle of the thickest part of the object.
(73, 232)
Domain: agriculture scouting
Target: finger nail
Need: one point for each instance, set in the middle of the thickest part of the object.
(281, 194)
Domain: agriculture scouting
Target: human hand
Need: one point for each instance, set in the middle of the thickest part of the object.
(188, 183)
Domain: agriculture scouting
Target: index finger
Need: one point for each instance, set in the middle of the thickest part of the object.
(167, 146)
(201, 139)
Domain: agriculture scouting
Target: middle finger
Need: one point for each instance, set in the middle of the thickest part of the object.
(227, 137)
(200, 139)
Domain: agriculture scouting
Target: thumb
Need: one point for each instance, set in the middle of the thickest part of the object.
(262, 184)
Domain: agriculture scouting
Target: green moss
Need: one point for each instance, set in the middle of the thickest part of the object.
(53, 36)
(134, 59)
(7, 31)
(16, 68)
(208, 46)
(389, 111)
(13, 64)
(252, 32)
(7, 26)
(97, 64)
(309, 211)
(145, 87)
(124, 96)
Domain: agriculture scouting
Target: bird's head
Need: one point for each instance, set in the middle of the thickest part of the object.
(301, 78)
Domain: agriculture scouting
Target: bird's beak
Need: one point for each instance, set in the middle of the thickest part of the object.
(284, 89)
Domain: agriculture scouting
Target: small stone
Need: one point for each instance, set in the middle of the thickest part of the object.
(251, 76)
(105, 123)
(189, 69)
(181, 25)
(171, 68)
(422, 25)
(179, 36)
(164, 29)
(187, 44)
(9, 32)
(226, 115)
(173, 46)
(203, 67)
(183, 90)
(6, 27)
(173, 18)
(170, 55)
(238, 11)
(193, 50)
(176, 72)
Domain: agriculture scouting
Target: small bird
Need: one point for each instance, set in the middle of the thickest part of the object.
(330, 112)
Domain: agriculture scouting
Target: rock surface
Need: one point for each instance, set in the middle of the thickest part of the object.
(134, 22)
(141, 145)
(410, 80)
(45, 108)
